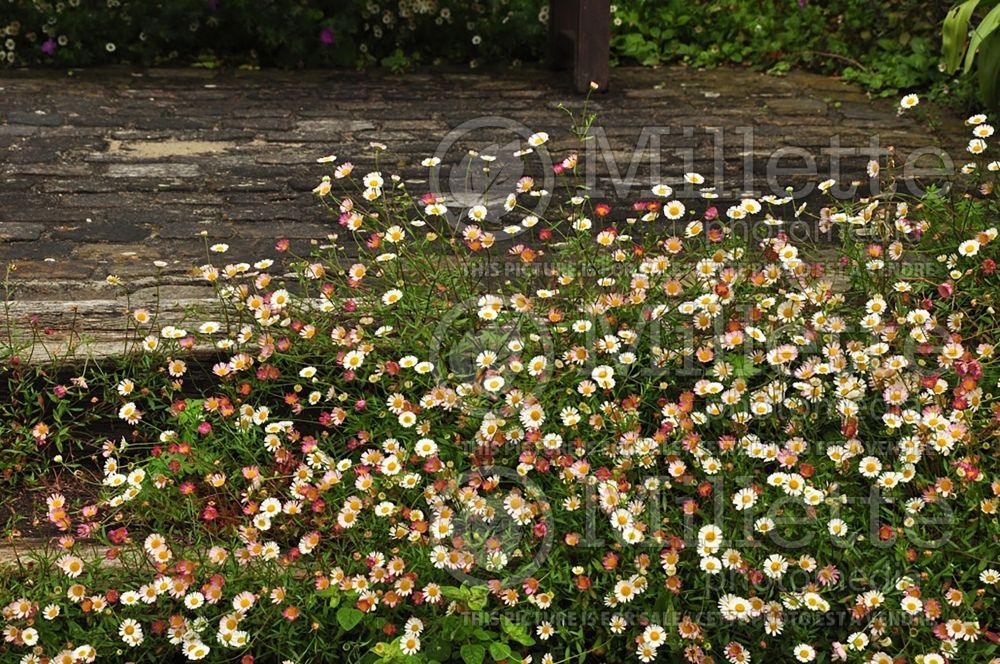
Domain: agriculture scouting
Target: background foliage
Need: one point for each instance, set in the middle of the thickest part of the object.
(964, 46)
(885, 45)
(286, 33)
(888, 46)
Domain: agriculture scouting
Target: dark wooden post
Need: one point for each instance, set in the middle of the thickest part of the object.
(580, 36)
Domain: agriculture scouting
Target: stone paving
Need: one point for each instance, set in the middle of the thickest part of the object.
(105, 171)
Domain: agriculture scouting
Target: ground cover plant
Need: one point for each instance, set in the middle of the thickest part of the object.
(538, 429)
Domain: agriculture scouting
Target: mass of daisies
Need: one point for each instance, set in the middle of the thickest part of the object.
(545, 429)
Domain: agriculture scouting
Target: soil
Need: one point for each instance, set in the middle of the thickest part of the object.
(23, 510)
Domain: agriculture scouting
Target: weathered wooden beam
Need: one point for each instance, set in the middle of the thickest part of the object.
(580, 37)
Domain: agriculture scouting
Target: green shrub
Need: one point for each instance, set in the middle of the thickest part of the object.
(286, 33)
(887, 47)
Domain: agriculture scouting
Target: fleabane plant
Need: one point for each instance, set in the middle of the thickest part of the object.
(460, 432)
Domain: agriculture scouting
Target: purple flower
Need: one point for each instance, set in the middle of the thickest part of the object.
(326, 36)
(49, 46)
(213, 5)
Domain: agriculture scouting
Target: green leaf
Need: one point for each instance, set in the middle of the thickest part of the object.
(955, 33)
(989, 69)
(500, 651)
(478, 597)
(473, 653)
(388, 651)
(348, 617)
(189, 418)
(516, 632)
(988, 25)
(439, 650)
(743, 367)
(455, 593)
